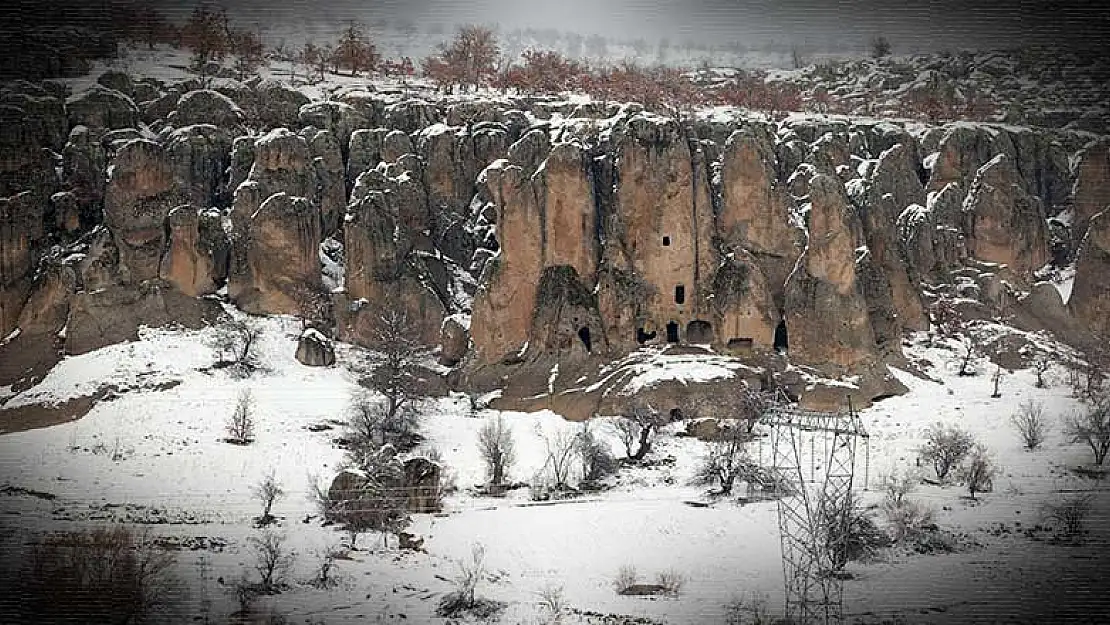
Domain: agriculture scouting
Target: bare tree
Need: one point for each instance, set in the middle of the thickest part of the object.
(370, 424)
(559, 449)
(240, 427)
(267, 491)
(880, 47)
(905, 517)
(235, 343)
(396, 338)
(847, 531)
(1041, 364)
(636, 427)
(314, 306)
(325, 577)
(495, 443)
(727, 461)
(379, 502)
(945, 447)
(272, 559)
(977, 471)
(1068, 516)
(996, 379)
(464, 597)
(355, 51)
(1030, 422)
(597, 460)
(1091, 425)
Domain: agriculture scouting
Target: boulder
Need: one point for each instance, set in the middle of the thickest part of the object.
(454, 340)
(315, 350)
(100, 108)
(206, 106)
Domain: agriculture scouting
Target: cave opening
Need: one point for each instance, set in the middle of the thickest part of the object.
(584, 335)
(680, 294)
(666, 241)
(781, 340)
(643, 337)
(699, 331)
(672, 332)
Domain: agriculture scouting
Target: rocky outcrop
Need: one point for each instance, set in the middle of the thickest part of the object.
(276, 257)
(100, 108)
(454, 340)
(1004, 224)
(1091, 191)
(142, 189)
(196, 258)
(330, 193)
(200, 157)
(826, 311)
(339, 118)
(1090, 296)
(205, 106)
(21, 237)
(83, 164)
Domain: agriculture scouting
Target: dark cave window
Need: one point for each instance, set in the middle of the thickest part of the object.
(781, 342)
(680, 294)
(584, 334)
(672, 332)
(700, 332)
(741, 343)
(643, 337)
(666, 241)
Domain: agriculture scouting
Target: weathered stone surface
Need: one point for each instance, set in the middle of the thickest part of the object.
(1091, 191)
(1004, 224)
(206, 106)
(282, 164)
(330, 193)
(114, 314)
(26, 164)
(201, 157)
(826, 312)
(454, 340)
(21, 237)
(365, 151)
(276, 256)
(195, 260)
(141, 191)
(273, 104)
(83, 165)
(315, 350)
(341, 119)
(1090, 296)
(410, 116)
(101, 108)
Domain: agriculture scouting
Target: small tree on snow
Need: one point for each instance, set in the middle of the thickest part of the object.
(272, 559)
(727, 461)
(396, 338)
(597, 460)
(1030, 422)
(1091, 426)
(267, 491)
(495, 444)
(977, 471)
(636, 428)
(235, 343)
(1041, 364)
(240, 427)
(560, 448)
(945, 448)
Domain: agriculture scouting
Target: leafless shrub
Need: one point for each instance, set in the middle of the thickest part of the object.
(272, 560)
(751, 610)
(1091, 426)
(325, 569)
(977, 471)
(559, 449)
(848, 531)
(905, 517)
(267, 491)
(396, 415)
(377, 504)
(636, 428)
(671, 581)
(495, 443)
(1041, 364)
(1029, 421)
(1068, 517)
(235, 342)
(945, 447)
(464, 599)
(727, 461)
(240, 427)
(597, 461)
(102, 575)
(626, 578)
(553, 601)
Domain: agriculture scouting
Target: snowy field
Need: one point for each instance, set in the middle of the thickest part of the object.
(157, 456)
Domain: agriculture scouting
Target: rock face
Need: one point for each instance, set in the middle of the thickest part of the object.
(21, 234)
(276, 257)
(100, 108)
(200, 157)
(205, 106)
(1091, 191)
(315, 350)
(141, 191)
(1090, 297)
(196, 256)
(1005, 224)
(826, 312)
(454, 340)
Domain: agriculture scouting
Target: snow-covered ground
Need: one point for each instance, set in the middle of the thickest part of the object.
(154, 455)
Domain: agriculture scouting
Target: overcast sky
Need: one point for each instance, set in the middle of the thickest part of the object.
(927, 24)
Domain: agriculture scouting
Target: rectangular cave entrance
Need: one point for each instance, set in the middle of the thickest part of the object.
(781, 341)
(741, 343)
(643, 337)
(700, 332)
(680, 294)
(672, 332)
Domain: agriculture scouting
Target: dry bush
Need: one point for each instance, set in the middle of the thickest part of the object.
(727, 461)
(1068, 517)
(463, 599)
(272, 560)
(636, 427)
(977, 471)
(848, 531)
(240, 426)
(496, 446)
(560, 448)
(945, 447)
(751, 610)
(325, 577)
(671, 581)
(1091, 425)
(905, 517)
(235, 343)
(267, 491)
(103, 575)
(553, 601)
(626, 578)
(597, 460)
(1030, 422)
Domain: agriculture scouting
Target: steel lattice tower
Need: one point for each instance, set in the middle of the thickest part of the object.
(814, 463)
